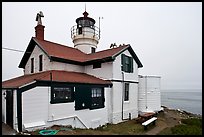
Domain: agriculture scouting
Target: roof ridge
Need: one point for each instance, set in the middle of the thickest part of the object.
(81, 51)
(108, 49)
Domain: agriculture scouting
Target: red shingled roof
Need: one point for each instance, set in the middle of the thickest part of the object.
(65, 52)
(57, 76)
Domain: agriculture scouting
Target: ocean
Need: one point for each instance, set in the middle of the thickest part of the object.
(189, 100)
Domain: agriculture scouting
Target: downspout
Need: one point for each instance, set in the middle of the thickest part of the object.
(123, 89)
(146, 92)
(50, 95)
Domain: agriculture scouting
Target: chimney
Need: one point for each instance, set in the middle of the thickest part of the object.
(39, 32)
(39, 29)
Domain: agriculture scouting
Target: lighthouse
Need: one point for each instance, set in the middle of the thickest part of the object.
(85, 35)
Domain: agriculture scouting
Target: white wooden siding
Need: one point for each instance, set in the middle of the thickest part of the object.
(105, 72)
(130, 106)
(149, 94)
(35, 105)
(64, 66)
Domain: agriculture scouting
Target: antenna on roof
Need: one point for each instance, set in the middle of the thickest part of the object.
(85, 6)
(100, 26)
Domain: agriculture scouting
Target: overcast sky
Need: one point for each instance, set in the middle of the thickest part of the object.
(166, 37)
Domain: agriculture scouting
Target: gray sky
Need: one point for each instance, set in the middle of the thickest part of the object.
(167, 37)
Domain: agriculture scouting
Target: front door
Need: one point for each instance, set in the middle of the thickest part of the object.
(9, 108)
(82, 97)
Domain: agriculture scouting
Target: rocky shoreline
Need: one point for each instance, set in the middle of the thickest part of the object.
(184, 112)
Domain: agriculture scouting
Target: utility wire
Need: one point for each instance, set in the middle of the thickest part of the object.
(12, 49)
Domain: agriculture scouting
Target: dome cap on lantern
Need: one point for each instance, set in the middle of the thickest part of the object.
(85, 21)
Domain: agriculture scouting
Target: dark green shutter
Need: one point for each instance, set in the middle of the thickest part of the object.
(131, 65)
(123, 62)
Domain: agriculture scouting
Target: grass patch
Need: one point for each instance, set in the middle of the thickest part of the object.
(130, 127)
(186, 130)
(124, 128)
(166, 131)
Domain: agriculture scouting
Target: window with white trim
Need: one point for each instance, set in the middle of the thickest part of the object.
(97, 98)
(126, 98)
(32, 65)
(40, 62)
(127, 63)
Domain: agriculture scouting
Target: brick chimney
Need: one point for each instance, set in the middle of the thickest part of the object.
(39, 29)
(39, 32)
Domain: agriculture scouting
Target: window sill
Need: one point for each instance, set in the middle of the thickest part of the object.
(58, 102)
(126, 102)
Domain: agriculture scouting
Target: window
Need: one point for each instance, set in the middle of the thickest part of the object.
(32, 65)
(62, 94)
(127, 63)
(126, 92)
(93, 50)
(80, 30)
(40, 63)
(97, 65)
(97, 98)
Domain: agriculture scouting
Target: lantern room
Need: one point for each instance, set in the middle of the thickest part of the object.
(85, 34)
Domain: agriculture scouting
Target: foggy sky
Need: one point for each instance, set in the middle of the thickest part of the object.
(166, 37)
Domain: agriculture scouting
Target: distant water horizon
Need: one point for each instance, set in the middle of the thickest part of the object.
(189, 100)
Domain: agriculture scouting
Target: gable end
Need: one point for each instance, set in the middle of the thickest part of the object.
(129, 48)
(29, 51)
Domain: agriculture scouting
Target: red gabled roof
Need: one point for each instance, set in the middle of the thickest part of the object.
(57, 76)
(65, 53)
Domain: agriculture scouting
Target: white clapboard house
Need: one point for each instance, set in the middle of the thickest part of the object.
(75, 85)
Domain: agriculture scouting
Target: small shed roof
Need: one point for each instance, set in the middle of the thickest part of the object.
(56, 76)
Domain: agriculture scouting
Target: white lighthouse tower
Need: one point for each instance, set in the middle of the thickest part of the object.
(85, 35)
